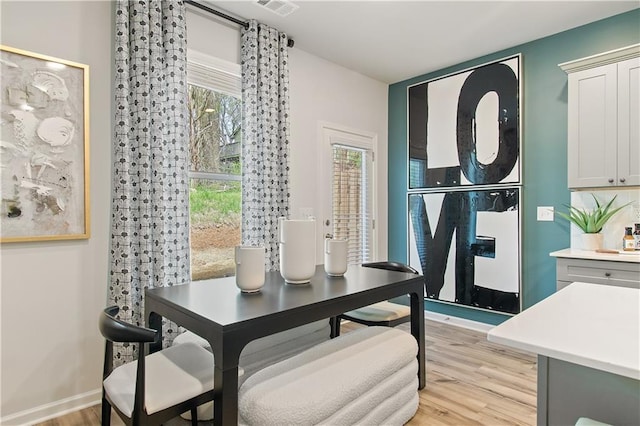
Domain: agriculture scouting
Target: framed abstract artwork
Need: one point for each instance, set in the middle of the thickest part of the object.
(467, 245)
(44, 148)
(464, 128)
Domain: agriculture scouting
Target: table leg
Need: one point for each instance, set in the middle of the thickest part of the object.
(225, 381)
(155, 321)
(225, 403)
(417, 330)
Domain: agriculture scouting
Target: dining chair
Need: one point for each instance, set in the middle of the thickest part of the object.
(385, 313)
(156, 387)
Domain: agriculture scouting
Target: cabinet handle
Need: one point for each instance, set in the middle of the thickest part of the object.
(607, 274)
(623, 180)
(610, 180)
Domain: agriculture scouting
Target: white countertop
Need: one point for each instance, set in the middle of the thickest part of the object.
(621, 256)
(593, 325)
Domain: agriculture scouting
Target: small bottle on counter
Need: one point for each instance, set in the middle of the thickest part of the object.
(636, 236)
(628, 242)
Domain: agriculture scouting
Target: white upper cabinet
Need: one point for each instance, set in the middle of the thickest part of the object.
(629, 121)
(604, 119)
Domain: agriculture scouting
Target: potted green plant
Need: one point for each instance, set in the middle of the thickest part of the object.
(591, 221)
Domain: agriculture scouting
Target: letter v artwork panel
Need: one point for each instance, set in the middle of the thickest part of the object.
(464, 185)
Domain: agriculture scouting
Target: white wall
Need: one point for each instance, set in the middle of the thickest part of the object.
(324, 92)
(51, 293)
(211, 35)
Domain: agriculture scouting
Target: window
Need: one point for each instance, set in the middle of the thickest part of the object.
(215, 111)
(352, 200)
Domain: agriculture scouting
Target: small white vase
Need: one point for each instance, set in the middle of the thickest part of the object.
(335, 257)
(591, 242)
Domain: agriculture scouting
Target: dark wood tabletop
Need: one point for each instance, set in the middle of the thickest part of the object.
(217, 310)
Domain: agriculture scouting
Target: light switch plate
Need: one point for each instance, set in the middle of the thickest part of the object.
(545, 213)
(306, 212)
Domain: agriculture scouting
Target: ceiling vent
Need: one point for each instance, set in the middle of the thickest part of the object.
(280, 7)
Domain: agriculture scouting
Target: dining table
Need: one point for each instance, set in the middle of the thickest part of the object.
(228, 319)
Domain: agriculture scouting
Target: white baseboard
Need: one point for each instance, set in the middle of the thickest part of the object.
(459, 322)
(52, 410)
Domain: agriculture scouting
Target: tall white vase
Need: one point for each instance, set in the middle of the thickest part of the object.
(297, 250)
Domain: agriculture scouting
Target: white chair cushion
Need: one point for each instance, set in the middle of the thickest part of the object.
(173, 375)
(382, 311)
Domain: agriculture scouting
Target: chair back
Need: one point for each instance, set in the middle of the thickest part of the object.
(391, 266)
(116, 330)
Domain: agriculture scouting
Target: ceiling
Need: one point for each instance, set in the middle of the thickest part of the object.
(391, 41)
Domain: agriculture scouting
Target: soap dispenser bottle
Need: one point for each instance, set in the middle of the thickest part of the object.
(628, 242)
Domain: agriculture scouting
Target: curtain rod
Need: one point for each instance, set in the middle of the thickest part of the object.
(242, 23)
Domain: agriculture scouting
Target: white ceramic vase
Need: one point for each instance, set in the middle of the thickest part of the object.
(335, 257)
(297, 250)
(592, 242)
(250, 268)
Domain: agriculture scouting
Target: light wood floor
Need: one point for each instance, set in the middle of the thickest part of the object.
(470, 381)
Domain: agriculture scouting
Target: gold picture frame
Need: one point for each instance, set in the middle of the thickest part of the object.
(44, 148)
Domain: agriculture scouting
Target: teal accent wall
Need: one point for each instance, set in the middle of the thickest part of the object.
(543, 156)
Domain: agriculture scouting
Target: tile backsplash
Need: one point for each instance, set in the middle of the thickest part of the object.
(614, 229)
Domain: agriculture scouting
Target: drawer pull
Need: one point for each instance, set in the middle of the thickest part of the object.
(607, 274)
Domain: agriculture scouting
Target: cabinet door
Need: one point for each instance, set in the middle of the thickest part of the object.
(592, 127)
(629, 122)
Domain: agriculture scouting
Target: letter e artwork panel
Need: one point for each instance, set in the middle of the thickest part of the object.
(44, 149)
(466, 244)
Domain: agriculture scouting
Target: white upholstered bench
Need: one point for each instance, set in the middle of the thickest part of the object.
(263, 352)
(270, 349)
(367, 376)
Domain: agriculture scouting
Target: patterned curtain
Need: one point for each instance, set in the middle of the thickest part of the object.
(265, 137)
(150, 195)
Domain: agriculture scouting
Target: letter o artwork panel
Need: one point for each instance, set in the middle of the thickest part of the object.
(464, 128)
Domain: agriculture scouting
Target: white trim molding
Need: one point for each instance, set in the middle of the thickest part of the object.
(610, 57)
(458, 322)
(54, 409)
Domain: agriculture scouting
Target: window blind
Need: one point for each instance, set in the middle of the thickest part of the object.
(213, 73)
(352, 201)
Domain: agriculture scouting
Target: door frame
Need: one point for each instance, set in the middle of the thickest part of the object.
(328, 135)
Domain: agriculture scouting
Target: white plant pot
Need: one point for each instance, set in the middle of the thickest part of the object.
(297, 250)
(591, 242)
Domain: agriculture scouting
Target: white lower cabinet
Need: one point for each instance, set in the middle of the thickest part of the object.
(622, 274)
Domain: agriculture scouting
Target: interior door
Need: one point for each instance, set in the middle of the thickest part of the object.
(348, 190)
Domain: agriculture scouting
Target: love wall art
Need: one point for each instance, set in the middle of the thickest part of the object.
(464, 185)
